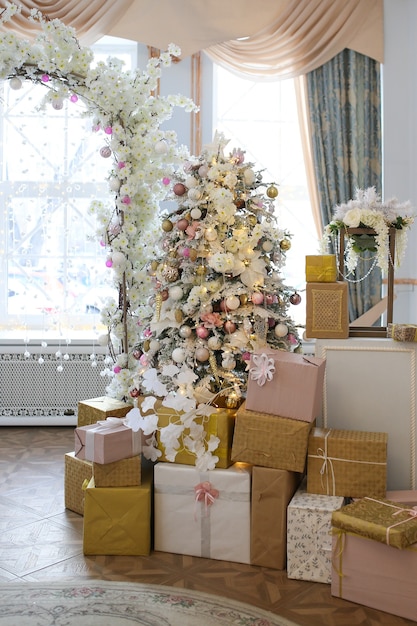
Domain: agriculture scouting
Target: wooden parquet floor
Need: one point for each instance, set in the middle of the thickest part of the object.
(41, 541)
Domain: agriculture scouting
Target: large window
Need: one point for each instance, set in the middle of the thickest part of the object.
(52, 266)
(261, 118)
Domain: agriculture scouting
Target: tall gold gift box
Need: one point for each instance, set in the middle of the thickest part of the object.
(123, 473)
(76, 472)
(321, 268)
(97, 409)
(327, 315)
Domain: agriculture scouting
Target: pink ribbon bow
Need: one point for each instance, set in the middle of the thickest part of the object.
(204, 492)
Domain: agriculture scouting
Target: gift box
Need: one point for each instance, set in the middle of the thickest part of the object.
(379, 519)
(347, 463)
(203, 514)
(76, 472)
(327, 315)
(375, 575)
(272, 490)
(123, 473)
(404, 496)
(287, 384)
(107, 441)
(97, 409)
(220, 423)
(270, 441)
(321, 268)
(402, 332)
(309, 540)
(117, 520)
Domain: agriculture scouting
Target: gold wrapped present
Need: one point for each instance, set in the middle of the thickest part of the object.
(97, 409)
(379, 519)
(321, 268)
(76, 472)
(327, 315)
(123, 473)
(270, 441)
(220, 423)
(402, 332)
(347, 463)
(117, 520)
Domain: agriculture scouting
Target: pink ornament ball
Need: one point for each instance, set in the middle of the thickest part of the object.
(45, 78)
(117, 369)
(166, 180)
(109, 263)
(74, 97)
(257, 297)
(126, 200)
(202, 332)
(185, 252)
(269, 299)
(121, 165)
(179, 189)
(143, 360)
(108, 130)
(229, 327)
(246, 356)
(105, 152)
(182, 224)
(136, 354)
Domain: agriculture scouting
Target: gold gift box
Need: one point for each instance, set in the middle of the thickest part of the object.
(378, 519)
(272, 491)
(97, 409)
(124, 473)
(327, 315)
(347, 463)
(76, 472)
(321, 268)
(402, 332)
(220, 423)
(270, 441)
(117, 520)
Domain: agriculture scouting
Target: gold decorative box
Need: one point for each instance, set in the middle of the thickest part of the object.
(327, 315)
(402, 332)
(97, 409)
(76, 472)
(124, 473)
(321, 268)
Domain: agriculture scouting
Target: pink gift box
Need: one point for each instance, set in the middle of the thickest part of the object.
(373, 574)
(287, 384)
(107, 441)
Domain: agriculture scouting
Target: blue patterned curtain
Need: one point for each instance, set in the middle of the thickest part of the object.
(344, 100)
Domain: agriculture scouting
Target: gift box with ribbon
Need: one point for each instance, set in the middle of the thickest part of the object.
(272, 490)
(347, 463)
(270, 441)
(107, 441)
(76, 472)
(321, 268)
(123, 473)
(96, 409)
(287, 384)
(309, 541)
(203, 514)
(117, 520)
(375, 575)
(381, 520)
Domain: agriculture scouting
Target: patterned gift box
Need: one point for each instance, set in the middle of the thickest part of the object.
(402, 332)
(76, 472)
(97, 409)
(220, 423)
(270, 441)
(203, 514)
(117, 520)
(285, 384)
(381, 520)
(327, 315)
(309, 541)
(373, 574)
(321, 268)
(107, 442)
(347, 463)
(123, 473)
(272, 490)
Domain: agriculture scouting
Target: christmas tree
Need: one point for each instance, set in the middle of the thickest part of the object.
(218, 293)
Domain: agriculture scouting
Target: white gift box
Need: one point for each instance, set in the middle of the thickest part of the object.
(203, 514)
(309, 540)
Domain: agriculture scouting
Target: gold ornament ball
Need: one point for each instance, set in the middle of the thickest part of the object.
(167, 226)
(252, 219)
(243, 298)
(285, 245)
(201, 270)
(272, 192)
(193, 254)
(146, 345)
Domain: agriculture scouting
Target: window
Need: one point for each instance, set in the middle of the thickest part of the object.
(261, 118)
(51, 263)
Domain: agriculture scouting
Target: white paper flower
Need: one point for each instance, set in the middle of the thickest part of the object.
(263, 369)
(151, 382)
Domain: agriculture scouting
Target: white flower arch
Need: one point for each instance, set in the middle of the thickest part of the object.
(124, 108)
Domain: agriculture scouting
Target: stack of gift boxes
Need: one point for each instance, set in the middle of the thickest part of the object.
(284, 494)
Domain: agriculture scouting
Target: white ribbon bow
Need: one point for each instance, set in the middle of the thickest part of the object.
(264, 368)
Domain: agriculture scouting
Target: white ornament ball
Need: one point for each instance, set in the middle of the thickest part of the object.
(232, 302)
(176, 293)
(185, 331)
(103, 340)
(178, 355)
(15, 83)
(210, 234)
(154, 345)
(214, 343)
(267, 246)
(58, 104)
(195, 194)
(202, 354)
(161, 147)
(206, 307)
(118, 258)
(190, 182)
(229, 364)
(281, 330)
(249, 176)
(114, 184)
(195, 214)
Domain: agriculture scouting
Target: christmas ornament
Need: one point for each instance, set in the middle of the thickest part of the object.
(105, 152)
(193, 254)
(202, 354)
(195, 214)
(179, 189)
(176, 293)
(214, 343)
(232, 303)
(267, 246)
(281, 330)
(295, 298)
(185, 332)
(272, 192)
(58, 104)
(154, 345)
(195, 194)
(210, 234)
(114, 184)
(182, 224)
(161, 147)
(15, 83)
(167, 226)
(202, 332)
(257, 298)
(229, 327)
(136, 354)
(285, 245)
(178, 355)
(179, 316)
(158, 306)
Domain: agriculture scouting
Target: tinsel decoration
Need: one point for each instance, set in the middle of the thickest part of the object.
(213, 365)
(158, 306)
(260, 328)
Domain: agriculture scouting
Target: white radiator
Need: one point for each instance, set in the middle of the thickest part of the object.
(38, 394)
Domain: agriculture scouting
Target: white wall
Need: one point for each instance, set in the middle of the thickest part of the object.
(400, 133)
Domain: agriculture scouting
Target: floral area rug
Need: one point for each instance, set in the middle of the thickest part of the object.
(107, 603)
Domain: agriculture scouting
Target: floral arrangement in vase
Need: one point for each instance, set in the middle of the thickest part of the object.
(367, 211)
